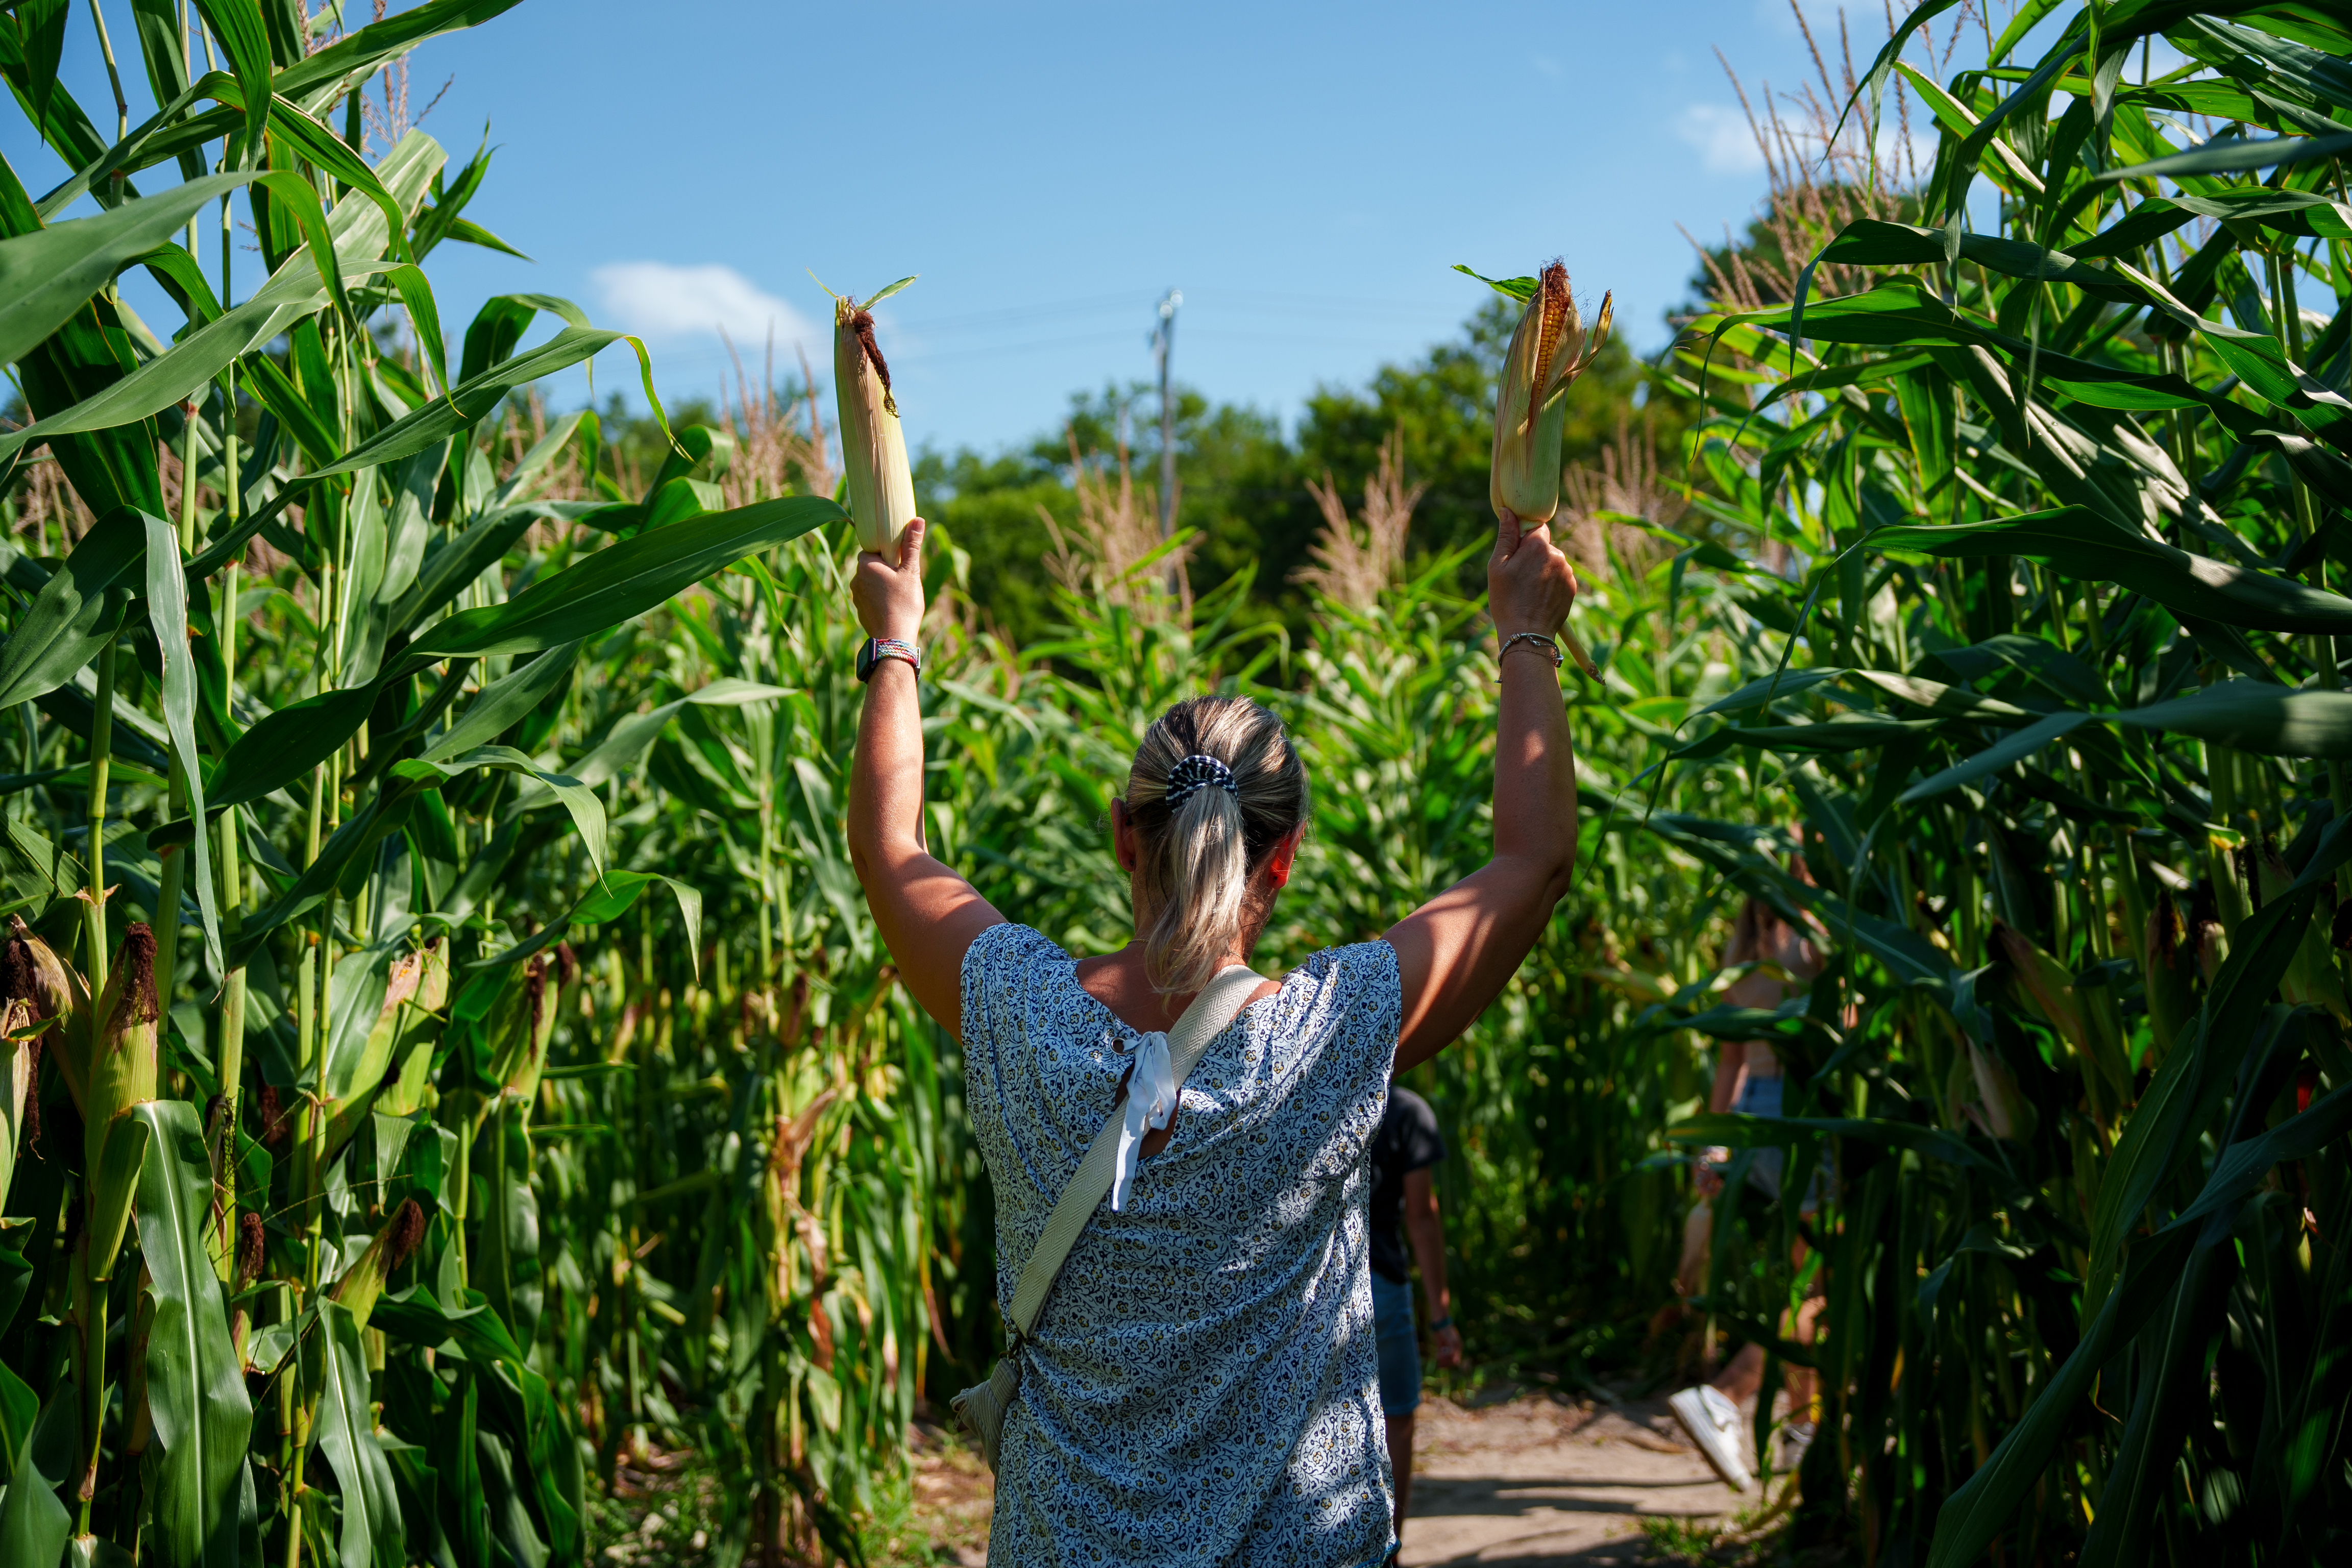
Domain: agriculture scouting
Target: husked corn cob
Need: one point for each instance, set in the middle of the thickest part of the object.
(1550, 348)
(873, 446)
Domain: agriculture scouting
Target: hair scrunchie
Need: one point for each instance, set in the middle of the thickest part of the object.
(1196, 773)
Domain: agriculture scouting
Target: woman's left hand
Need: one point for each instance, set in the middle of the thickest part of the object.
(1445, 1346)
(890, 595)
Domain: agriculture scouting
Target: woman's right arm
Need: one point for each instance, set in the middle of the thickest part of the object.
(1455, 953)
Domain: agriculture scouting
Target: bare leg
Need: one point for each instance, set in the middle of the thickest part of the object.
(1800, 1378)
(1742, 1375)
(1400, 1462)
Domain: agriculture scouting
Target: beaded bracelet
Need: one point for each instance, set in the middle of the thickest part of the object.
(1557, 658)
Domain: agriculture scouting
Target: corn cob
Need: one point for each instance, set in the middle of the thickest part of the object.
(1549, 351)
(873, 445)
(120, 1073)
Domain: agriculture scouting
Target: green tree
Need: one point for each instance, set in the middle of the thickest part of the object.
(1242, 483)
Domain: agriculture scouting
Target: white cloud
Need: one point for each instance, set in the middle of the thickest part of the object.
(657, 299)
(1726, 145)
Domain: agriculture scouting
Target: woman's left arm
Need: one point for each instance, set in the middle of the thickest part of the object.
(927, 914)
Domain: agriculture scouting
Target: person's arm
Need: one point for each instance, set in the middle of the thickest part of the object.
(1455, 953)
(1730, 1057)
(928, 915)
(1426, 1231)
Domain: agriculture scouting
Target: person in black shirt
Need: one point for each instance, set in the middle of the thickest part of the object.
(1404, 1196)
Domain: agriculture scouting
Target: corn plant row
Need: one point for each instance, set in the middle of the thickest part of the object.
(2056, 722)
(445, 1078)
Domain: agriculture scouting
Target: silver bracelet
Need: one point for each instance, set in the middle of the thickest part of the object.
(1557, 658)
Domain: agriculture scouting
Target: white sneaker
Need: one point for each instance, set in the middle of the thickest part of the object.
(1713, 1422)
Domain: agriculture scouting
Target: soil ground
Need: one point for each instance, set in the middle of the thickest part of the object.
(1523, 1480)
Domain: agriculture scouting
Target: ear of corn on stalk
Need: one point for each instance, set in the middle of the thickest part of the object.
(1550, 349)
(17, 1065)
(873, 445)
(120, 1068)
(363, 1281)
(31, 970)
(416, 1030)
(520, 1023)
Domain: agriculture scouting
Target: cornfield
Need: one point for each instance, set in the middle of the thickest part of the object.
(456, 1096)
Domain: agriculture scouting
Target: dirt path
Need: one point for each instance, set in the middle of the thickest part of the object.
(1538, 1481)
(1531, 1482)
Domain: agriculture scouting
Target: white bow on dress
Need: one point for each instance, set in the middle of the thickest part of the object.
(1150, 1102)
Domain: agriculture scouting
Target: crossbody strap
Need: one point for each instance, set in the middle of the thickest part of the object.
(1219, 1003)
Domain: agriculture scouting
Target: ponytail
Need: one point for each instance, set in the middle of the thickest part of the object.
(1215, 785)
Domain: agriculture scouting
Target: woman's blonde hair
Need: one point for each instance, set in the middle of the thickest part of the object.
(1203, 826)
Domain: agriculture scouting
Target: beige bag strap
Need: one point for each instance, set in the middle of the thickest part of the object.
(1219, 1003)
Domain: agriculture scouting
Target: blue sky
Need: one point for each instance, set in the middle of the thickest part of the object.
(1306, 173)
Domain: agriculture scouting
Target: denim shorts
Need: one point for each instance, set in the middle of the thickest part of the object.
(1400, 1350)
(1761, 1097)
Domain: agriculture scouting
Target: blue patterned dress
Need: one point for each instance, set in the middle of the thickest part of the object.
(1201, 1387)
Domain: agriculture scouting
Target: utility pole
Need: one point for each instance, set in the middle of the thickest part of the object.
(1164, 341)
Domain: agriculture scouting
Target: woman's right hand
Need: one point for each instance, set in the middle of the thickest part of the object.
(889, 594)
(1530, 583)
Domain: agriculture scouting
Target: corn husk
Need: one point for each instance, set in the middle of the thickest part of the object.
(363, 1281)
(2171, 990)
(418, 1032)
(1550, 349)
(873, 446)
(121, 1068)
(2008, 1114)
(522, 1022)
(30, 971)
(18, 1066)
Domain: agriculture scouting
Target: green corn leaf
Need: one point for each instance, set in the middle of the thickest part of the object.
(34, 1524)
(616, 895)
(424, 314)
(587, 811)
(2180, 1098)
(1990, 1498)
(503, 703)
(2243, 1165)
(2081, 543)
(2235, 156)
(619, 583)
(167, 611)
(337, 1367)
(1977, 1512)
(1519, 289)
(354, 1002)
(456, 410)
(444, 574)
(116, 1186)
(48, 275)
(358, 53)
(196, 1387)
(244, 36)
(76, 611)
(262, 377)
(2005, 753)
(635, 736)
(2257, 716)
(286, 745)
(295, 291)
(1741, 1131)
